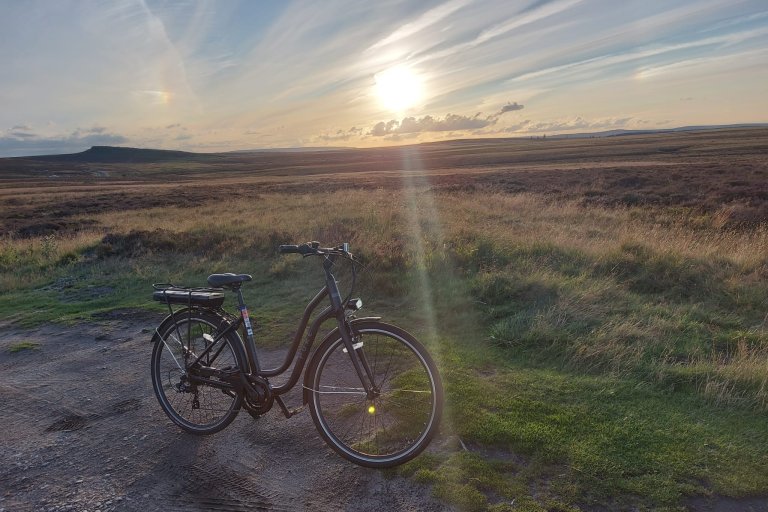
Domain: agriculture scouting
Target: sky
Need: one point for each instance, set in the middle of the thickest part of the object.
(229, 75)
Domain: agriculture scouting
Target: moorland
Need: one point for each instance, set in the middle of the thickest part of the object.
(598, 306)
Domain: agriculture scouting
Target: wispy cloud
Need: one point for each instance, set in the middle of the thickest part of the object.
(573, 124)
(424, 21)
(340, 135)
(749, 58)
(605, 61)
(529, 16)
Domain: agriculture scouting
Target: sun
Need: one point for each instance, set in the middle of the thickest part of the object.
(399, 88)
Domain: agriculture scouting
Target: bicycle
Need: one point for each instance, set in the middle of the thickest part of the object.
(373, 391)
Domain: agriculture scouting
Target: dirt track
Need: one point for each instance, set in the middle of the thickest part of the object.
(82, 430)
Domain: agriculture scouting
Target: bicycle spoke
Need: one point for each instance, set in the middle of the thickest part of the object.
(400, 414)
(338, 390)
(171, 352)
(195, 406)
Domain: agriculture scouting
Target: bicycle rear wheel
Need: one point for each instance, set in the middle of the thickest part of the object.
(399, 420)
(197, 407)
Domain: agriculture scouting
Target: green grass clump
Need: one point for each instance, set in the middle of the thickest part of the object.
(23, 345)
(593, 439)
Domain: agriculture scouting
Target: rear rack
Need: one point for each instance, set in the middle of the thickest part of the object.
(166, 286)
(169, 293)
(205, 297)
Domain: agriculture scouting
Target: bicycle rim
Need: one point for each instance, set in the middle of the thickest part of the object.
(393, 426)
(197, 408)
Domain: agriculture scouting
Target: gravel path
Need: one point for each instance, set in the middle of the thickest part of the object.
(82, 431)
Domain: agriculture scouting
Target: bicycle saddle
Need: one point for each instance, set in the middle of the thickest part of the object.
(221, 280)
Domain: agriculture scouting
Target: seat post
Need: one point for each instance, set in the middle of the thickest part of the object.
(250, 343)
(240, 300)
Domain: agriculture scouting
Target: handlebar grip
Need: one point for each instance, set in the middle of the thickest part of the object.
(303, 249)
(288, 249)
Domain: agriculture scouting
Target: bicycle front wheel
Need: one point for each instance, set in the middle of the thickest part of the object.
(197, 397)
(394, 423)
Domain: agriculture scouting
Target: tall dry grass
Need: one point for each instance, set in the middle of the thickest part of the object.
(668, 296)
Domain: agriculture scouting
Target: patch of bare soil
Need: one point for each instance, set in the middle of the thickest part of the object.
(82, 430)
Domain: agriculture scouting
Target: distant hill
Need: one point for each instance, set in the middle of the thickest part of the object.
(306, 149)
(119, 163)
(127, 155)
(618, 133)
(114, 154)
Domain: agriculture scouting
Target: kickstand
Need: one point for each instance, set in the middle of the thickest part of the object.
(286, 412)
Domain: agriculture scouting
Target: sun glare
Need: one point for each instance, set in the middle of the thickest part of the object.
(399, 88)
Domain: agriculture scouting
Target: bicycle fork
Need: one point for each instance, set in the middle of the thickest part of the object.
(356, 354)
(354, 350)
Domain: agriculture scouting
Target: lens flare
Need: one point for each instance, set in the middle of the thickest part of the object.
(426, 233)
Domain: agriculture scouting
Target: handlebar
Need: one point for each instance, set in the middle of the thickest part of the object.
(313, 248)
(298, 249)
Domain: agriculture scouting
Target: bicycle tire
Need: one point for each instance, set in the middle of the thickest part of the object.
(393, 427)
(197, 408)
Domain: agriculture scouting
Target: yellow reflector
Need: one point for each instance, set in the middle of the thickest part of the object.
(371, 409)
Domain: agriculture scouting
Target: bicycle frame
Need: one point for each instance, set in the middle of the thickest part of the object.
(335, 310)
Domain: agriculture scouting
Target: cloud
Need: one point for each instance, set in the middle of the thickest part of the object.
(409, 127)
(17, 143)
(22, 135)
(451, 122)
(516, 127)
(457, 126)
(510, 107)
(339, 135)
(576, 123)
(80, 132)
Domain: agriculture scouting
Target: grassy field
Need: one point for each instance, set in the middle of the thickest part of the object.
(599, 311)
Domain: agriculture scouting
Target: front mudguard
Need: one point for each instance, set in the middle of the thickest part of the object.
(334, 334)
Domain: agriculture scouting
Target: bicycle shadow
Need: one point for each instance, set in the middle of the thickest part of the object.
(186, 476)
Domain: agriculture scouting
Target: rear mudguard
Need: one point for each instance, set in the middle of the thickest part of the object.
(334, 334)
(168, 322)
